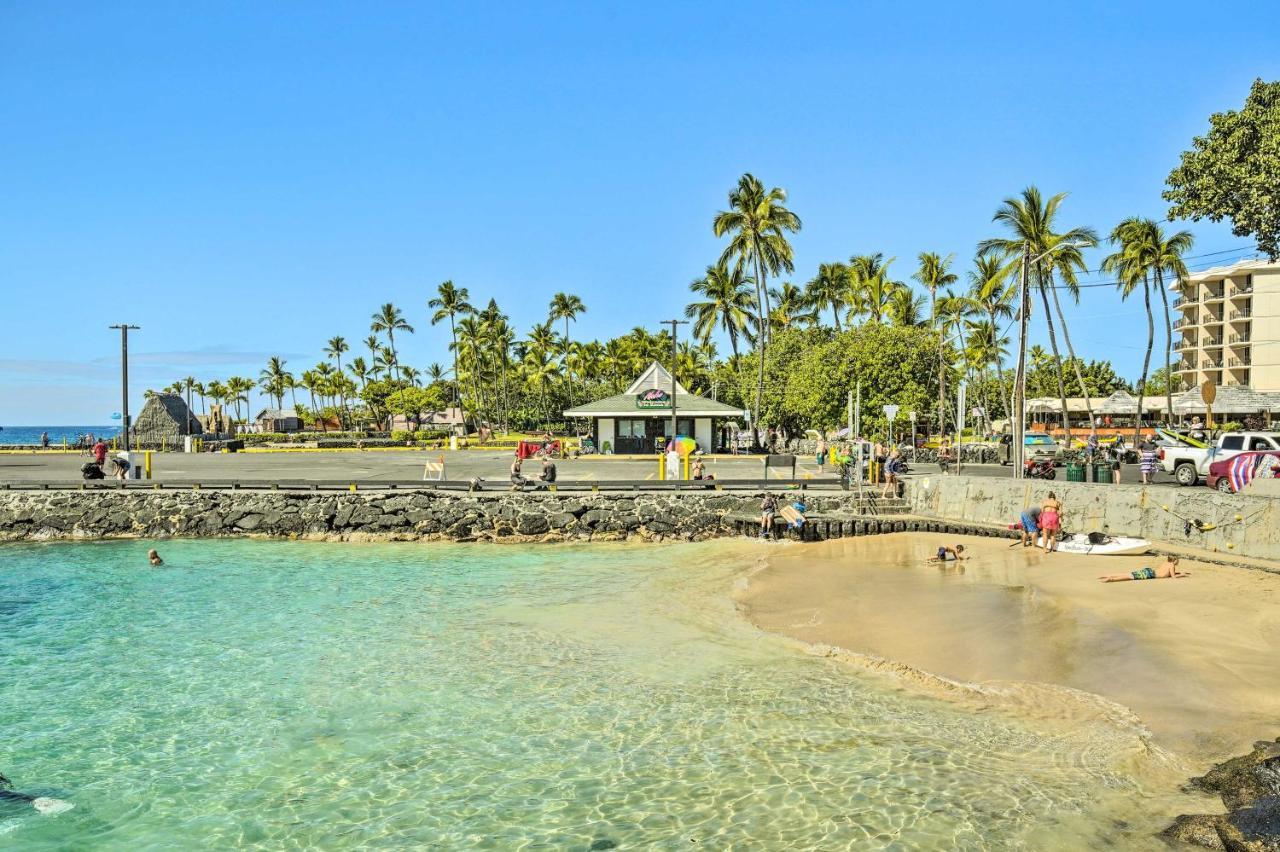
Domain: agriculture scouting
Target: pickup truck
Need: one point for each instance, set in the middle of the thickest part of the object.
(1189, 464)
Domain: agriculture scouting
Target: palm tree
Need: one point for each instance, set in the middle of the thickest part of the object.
(238, 388)
(934, 272)
(566, 306)
(872, 289)
(1166, 256)
(993, 290)
(1030, 218)
(334, 349)
(449, 302)
(757, 222)
(373, 344)
(271, 380)
(905, 307)
(389, 319)
(790, 307)
(829, 289)
(360, 370)
(1132, 265)
(467, 352)
(726, 301)
(200, 391)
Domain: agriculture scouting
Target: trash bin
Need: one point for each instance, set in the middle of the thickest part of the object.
(1075, 471)
(1102, 472)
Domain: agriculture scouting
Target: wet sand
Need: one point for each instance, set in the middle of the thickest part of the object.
(1195, 659)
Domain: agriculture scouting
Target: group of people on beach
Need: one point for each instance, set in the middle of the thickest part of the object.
(97, 469)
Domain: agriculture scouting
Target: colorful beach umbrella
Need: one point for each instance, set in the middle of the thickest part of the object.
(685, 445)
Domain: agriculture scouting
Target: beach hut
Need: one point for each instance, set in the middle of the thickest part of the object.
(278, 420)
(165, 420)
(636, 420)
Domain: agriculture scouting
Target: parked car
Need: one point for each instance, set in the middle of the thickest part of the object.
(1219, 477)
(1188, 464)
(1039, 445)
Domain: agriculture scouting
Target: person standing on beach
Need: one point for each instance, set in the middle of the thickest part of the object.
(100, 453)
(1050, 521)
(44, 440)
(673, 460)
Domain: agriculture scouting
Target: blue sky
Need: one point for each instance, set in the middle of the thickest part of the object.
(246, 180)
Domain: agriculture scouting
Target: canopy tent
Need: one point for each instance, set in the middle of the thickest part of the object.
(1120, 402)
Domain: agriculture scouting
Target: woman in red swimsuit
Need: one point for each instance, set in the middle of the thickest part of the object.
(1050, 521)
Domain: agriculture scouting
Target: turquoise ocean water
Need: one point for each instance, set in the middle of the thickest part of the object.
(290, 695)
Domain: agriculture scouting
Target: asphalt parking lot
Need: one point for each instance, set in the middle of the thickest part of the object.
(405, 465)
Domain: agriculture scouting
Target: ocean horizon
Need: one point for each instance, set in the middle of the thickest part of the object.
(30, 435)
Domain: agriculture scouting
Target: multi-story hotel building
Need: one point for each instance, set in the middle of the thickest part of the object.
(1227, 326)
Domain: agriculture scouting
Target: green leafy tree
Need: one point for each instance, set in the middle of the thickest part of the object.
(1233, 171)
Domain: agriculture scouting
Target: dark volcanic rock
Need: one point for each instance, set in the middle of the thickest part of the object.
(1250, 788)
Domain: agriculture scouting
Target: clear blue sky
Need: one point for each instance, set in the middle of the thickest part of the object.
(249, 179)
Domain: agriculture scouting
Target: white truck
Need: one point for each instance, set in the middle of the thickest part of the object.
(1189, 464)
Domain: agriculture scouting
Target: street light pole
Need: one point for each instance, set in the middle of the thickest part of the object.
(675, 354)
(124, 380)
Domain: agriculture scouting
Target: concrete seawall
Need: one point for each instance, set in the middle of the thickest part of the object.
(1241, 524)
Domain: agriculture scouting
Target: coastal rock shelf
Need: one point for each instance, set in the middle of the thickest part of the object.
(1250, 788)
(428, 515)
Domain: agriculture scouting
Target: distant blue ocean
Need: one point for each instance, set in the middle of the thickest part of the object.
(31, 434)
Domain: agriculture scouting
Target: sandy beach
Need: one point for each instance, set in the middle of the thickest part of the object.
(1194, 659)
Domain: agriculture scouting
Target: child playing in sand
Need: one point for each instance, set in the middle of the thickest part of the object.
(945, 553)
(1167, 570)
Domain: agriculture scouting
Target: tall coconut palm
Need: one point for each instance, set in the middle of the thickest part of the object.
(726, 301)
(238, 388)
(790, 307)
(1165, 254)
(1133, 265)
(373, 344)
(757, 223)
(872, 287)
(905, 307)
(450, 301)
(566, 306)
(334, 349)
(829, 289)
(272, 381)
(389, 319)
(360, 369)
(1031, 220)
(934, 273)
(992, 288)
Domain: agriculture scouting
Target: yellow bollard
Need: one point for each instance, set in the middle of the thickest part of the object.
(686, 467)
(662, 466)
(353, 486)
(146, 463)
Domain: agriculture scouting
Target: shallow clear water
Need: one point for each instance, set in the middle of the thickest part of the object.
(304, 695)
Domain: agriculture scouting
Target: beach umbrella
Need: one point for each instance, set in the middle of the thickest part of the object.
(685, 445)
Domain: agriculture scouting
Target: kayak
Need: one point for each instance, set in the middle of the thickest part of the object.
(1109, 546)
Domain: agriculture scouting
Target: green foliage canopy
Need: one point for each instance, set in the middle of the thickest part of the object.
(1233, 172)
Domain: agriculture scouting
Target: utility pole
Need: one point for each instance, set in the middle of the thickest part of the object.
(1018, 450)
(124, 380)
(675, 354)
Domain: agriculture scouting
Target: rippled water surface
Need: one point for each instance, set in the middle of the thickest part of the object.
(304, 695)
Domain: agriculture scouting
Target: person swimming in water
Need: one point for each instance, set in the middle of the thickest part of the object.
(1167, 570)
(154, 558)
(43, 804)
(948, 553)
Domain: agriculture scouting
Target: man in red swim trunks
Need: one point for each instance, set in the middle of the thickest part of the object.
(100, 452)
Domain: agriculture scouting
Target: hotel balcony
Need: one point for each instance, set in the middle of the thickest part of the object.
(1184, 301)
(1211, 364)
(1184, 344)
(1242, 314)
(1238, 383)
(1212, 296)
(1185, 367)
(1211, 319)
(1211, 343)
(1184, 322)
(1241, 292)
(1243, 361)
(1239, 339)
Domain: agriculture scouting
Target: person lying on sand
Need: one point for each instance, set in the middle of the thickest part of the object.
(154, 558)
(946, 553)
(1167, 570)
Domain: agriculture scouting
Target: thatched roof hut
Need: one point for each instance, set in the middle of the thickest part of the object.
(165, 417)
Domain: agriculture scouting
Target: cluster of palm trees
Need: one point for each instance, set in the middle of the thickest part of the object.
(499, 377)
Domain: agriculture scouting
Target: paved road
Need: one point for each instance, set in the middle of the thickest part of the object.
(378, 466)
